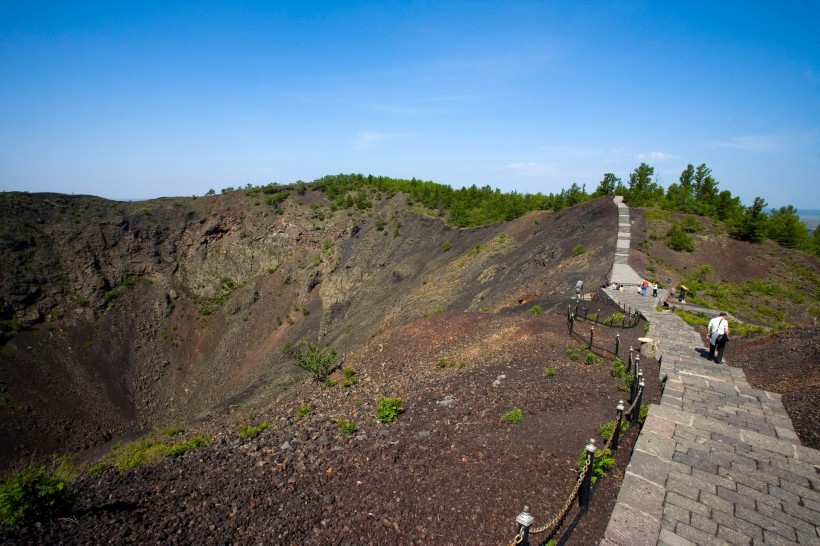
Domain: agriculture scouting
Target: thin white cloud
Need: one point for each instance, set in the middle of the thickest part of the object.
(657, 156)
(366, 139)
(754, 143)
(534, 168)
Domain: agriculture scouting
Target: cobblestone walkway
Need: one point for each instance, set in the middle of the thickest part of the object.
(717, 462)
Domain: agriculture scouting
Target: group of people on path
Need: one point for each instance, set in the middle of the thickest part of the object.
(645, 285)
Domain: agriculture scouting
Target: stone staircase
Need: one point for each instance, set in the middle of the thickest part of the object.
(717, 462)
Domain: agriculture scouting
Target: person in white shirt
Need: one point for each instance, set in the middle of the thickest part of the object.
(718, 332)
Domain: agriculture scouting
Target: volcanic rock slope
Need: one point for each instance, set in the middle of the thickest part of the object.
(123, 317)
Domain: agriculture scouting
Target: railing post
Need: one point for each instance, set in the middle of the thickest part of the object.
(616, 432)
(523, 522)
(617, 344)
(637, 364)
(635, 394)
(586, 311)
(591, 333)
(629, 364)
(586, 485)
(597, 316)
(576, 308)
(636, 411)
(623, 321)
(633, 391)
(571, 323)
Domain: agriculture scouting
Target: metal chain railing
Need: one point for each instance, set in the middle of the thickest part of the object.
(524, 525)
(560, 516)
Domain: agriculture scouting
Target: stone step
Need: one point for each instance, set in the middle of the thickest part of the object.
(717, 461)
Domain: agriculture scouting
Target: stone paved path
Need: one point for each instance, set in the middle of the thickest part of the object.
(717, 462)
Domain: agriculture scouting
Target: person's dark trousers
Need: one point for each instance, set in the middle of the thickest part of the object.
(720, 348)
(711, 351)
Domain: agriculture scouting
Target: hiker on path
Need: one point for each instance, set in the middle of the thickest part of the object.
(644, 286)
(655, 290)
(718, 332)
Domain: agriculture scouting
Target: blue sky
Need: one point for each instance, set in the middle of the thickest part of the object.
(132, 100)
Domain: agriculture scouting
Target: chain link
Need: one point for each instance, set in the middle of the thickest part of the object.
(567, 504)
(518, 538)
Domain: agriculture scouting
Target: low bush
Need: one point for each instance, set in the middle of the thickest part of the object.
(678, 240)
(33, 495)
(606, 429)
(349, 378)
(346, 426)
(301, 412)
(602, 462)
(189, 445)
(319, 361)
(247, 431)
(513, 416)
(388, 409)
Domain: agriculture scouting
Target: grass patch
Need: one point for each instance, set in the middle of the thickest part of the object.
(349, 378)
(247, 431)
(549, 372)
(319, 361)
(388, 409)
(607, 428)
(301, 412)
(513, 416)
(346, 426)
(602, 463)
(33, 495)
(443, 362)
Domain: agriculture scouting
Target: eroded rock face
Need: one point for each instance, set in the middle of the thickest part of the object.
(119, 317)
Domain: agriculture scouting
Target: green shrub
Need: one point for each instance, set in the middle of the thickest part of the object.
(188, 445)
(574, 353)
(616, 318)
(513, 416)
(388, 409)
(349, 378)
(170, 432)
(607, 428)
(301, 412)
(346, 426)
(319, 361)
(643, 413)
(33, 495)
(592, 358)
(618, 368)
(578, 250)
(690, 225)
(536, 310)
(446, 363)
(445, 246)
(602, 462)
(549, 372)
(138, 453)
(678, 240)
(247, 431)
